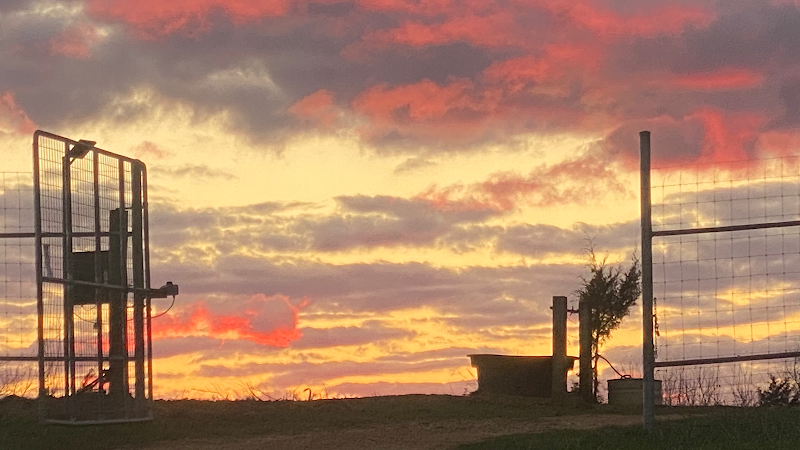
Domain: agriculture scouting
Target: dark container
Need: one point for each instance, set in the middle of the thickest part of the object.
(528, 376)
(83, 270)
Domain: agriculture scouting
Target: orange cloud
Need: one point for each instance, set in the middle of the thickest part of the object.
(317, 108)
(13, 119)
(264, 320)
(74, 41)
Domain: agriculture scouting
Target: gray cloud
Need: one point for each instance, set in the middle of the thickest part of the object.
(256, 70)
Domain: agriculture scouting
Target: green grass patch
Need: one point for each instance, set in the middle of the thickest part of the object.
(722, 429)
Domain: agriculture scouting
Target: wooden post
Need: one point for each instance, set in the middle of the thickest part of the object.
(559, 349)
(585, 357)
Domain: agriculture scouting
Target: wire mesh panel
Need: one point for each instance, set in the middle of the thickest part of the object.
(18, 355)
(93, 283)
(725, 278)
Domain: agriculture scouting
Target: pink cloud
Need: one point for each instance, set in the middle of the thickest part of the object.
(74, 42)
(264, 320)
(524, 94)
(421, 101)
(779, 142)
(490, 23)
(456, 110)
(317, 108)
(704, 135)
(13, 119)
(719, 80)
(553, 62)
(728, 136)
(499, 24)
(150, 149)
(155, 18)
(662, 19)
(570, 182)
(496, 29)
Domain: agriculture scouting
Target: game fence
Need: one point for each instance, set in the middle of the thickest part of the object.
(721, 278)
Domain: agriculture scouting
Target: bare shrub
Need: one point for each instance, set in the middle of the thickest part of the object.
(697, 386)
(744, 390)
(17, 380)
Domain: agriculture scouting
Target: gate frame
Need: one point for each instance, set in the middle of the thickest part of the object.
(142, 294)
(648, 344)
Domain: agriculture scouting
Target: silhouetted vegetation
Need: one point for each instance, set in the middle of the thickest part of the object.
(780, 392)
(610, 292)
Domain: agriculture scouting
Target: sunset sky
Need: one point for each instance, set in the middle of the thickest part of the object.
(353, 195)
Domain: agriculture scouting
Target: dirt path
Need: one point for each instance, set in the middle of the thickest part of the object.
(406, 436)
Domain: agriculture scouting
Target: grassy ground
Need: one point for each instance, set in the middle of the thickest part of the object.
(762, 428)
(189, 419)
(403, 422)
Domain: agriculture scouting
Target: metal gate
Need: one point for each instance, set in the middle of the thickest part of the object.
(93, 283)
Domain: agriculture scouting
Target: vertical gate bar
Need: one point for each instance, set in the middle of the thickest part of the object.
(123, 261)
(138, 283)
(69, 337)
(98, 270)
(648, 349)
(148, 305)
(37, 213)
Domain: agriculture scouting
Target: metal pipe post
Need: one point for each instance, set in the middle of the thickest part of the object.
(98, 274)
(37, 211)
(648, 348)
(138, 283)
(69, 319)
(148, 302)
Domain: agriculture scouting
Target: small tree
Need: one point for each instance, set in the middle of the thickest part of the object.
(609, 292)
(780, 392)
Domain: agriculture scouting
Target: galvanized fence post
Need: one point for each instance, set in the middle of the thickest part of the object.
(648, 349)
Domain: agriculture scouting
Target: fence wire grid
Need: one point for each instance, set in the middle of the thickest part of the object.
(726, 278)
